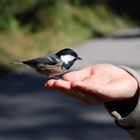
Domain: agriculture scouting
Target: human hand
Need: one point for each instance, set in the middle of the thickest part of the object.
(97, 84)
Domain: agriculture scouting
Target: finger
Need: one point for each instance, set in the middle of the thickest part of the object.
(49, 83)
(77, 75)
(84, 85)
(103, 92)
(88, 90)
(61, 85)
(64, 86)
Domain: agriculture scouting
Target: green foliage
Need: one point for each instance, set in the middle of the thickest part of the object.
(58, 24)
(35, 13)
(9, 9)
(38, 14)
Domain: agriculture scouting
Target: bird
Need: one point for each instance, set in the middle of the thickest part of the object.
(53, 65)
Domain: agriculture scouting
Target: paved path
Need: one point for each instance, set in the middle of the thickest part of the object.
(29, 112)
(115, 51)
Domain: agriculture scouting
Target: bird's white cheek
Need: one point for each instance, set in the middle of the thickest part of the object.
(67, 58)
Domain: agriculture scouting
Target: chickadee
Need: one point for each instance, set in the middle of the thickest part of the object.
(54, 64)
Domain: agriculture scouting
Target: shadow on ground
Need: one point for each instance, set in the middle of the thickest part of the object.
(29, 112)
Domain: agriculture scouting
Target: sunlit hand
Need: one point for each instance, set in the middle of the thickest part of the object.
(97, 84)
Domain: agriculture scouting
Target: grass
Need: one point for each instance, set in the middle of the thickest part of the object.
(73, 26)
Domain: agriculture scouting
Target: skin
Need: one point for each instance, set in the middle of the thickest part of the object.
(96, 84)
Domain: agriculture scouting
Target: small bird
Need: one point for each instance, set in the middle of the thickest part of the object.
(53, 65)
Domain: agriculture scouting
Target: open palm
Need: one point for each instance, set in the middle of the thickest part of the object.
(96, 84)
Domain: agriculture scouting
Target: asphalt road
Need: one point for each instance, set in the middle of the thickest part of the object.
(29, 112)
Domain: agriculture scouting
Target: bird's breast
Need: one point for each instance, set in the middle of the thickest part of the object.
(50, 70)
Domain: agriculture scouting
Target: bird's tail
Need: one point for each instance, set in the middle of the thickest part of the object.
(17, 63)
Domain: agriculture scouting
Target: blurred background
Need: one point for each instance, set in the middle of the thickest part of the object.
(31, 28)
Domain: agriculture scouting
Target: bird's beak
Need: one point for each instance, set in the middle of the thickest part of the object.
(79, 58)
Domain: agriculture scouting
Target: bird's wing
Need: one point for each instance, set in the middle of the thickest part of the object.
(44, 59)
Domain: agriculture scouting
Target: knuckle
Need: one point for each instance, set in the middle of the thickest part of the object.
(56, 82)
(74, 84)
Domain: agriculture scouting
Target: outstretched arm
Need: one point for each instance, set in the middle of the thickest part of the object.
(97, 84)
(118, 88)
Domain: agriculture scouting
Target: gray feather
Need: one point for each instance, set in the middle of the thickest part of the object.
(43, 60)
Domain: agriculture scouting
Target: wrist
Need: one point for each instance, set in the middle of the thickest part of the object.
(126, 112)
(134, 81)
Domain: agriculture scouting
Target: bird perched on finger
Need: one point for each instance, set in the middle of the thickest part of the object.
(53, 65)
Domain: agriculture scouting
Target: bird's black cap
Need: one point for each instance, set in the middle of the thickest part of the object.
(67, 51)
